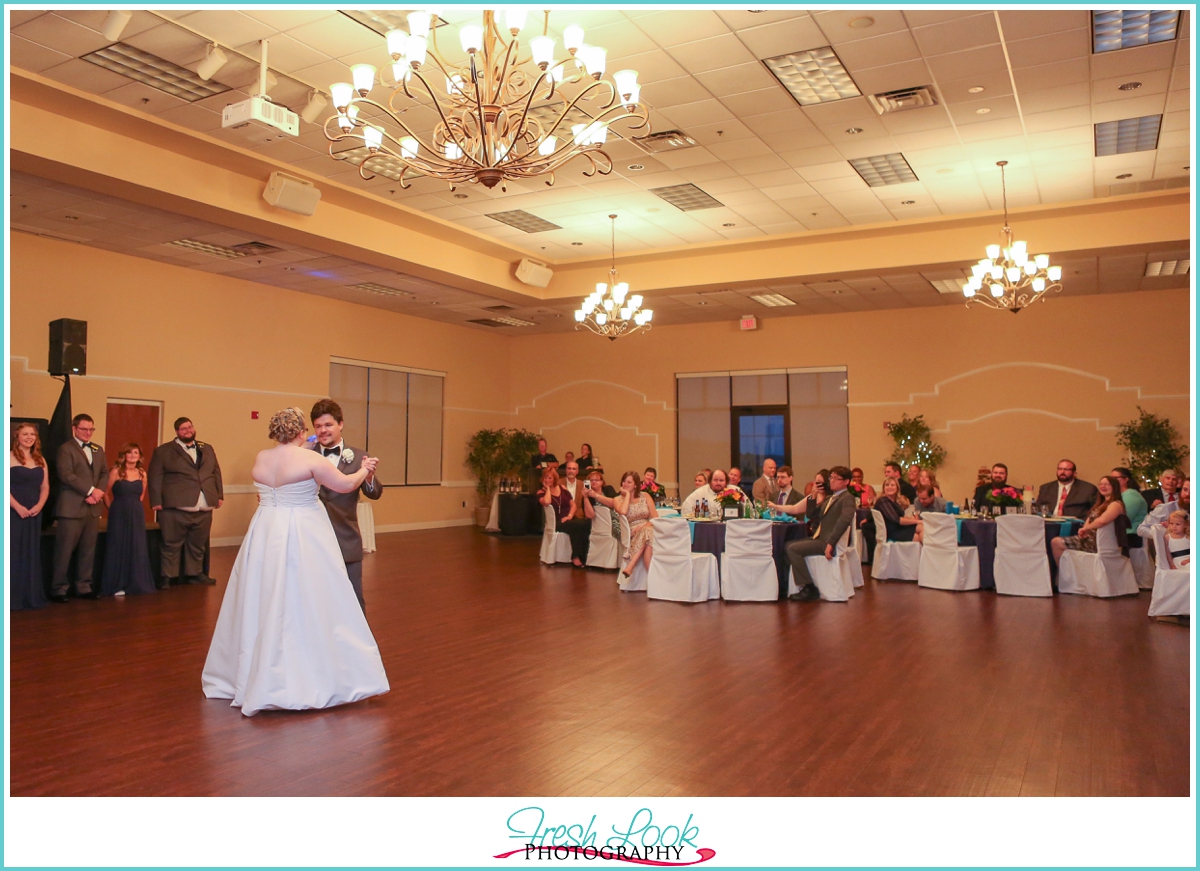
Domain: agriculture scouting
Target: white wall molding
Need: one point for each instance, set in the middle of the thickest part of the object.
(937, 387)
(636, 430)
(645, 399)
(1092, 420)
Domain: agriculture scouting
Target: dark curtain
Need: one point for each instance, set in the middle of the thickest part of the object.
(58, 433)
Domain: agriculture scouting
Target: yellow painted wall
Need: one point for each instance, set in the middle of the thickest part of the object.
(1026, 390)
(214, 348)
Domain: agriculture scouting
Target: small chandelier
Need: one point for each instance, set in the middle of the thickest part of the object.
(609, 311)
(498, 115)
(1011, 276)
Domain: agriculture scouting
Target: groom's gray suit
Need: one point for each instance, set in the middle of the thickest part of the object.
(343, 513)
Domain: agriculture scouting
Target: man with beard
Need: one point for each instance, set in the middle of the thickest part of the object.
(1068, 496)
(185, 486)
(999, 479)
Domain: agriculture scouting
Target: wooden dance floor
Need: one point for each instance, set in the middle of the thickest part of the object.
(512, 678)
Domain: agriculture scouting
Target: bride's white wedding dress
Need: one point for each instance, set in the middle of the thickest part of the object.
(291, 634)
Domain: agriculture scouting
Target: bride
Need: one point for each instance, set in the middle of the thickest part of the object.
(290, 634)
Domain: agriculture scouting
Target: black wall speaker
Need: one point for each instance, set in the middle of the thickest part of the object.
(68, 347)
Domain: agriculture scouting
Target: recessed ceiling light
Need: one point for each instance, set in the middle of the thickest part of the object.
(729, 225)
(861, 23)
(434, 302)
(1127, 135)
(908, 202)
(945, 170)
(985, 110)
(71, 217)
(576, 243)
(854, 131)
(837, 293)
(813, 76)
(460, 196)
(702, 302)
(1125, 175)
(771, 300)
(1126, 28)
(948, 285)
(884, 169)
(1168, 267)
(1129, 86)
(636, 167)
(978, 89)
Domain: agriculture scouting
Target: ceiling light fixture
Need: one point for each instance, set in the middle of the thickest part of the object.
(861, 23)
(636, 167)
(1167, 267)
(978, 89)
(854, 131)
(1126, 28)
(1014, 280)
(813, 76)
(114, 24)
(314, 107)
(771, 300)
(1127, 135)
(884, 169)
(214, 59)
(984, 111)
(1129, 86)
(1125, 175)
(487, 131)
(610, 311)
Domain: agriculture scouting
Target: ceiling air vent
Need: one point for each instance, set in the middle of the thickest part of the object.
(686, 197)
(1168, 267)
(902, 100)
(501, 322)
(523, 220)
(666, 140)
(250, 248)
(199, 247)
(499, 308)
(380, 289)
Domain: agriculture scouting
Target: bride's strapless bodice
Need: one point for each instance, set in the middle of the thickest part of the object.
(301, 494)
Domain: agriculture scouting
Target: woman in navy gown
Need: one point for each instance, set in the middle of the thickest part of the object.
(29, 488)
(126, 557)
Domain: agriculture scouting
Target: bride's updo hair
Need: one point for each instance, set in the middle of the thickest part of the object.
(286, 425)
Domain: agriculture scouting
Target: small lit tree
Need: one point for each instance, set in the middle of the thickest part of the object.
(915, 444)
(1149, 442)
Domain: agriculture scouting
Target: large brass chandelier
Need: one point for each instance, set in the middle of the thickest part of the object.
(499, 114)
(1013, 278)
(610, 310)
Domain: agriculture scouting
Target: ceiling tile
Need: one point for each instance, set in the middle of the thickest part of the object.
(835, 23)
(891, 48)
(145, 98)
(737, 79)
(1135, 107)
(983, 110)
(1043, 122)
(772, 40)
(1030, 23)
(910, 74)
(994, 84)
(675, 92)
(695, 114)
(790, 121)
(653, 66)
(1066, 97)
(1145, 58)
(806, 157)
(286, 19)
(990, 130)
(714, 53)
(673, 28)
(1050, 49)
(33, 57)
(958, 35)
(964, 64)
(832, 114)
(337, 36)
(1055, 75)
(61, 34)
(916, 120)
(621, 38)
(227, 26)
(170, 43)
(87, 77)
(923, 17)
(772, 99)
(286, 54)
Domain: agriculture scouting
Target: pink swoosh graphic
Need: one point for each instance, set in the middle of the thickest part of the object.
(705, 855)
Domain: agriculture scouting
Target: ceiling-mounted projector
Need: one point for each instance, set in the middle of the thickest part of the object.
(259, 110)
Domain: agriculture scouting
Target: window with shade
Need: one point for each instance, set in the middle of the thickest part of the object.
(797, 417)
(396, 415)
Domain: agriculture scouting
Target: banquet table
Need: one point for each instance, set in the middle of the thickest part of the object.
(982, 535)
(709, 537)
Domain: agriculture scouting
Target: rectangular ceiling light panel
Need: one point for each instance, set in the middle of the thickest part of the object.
(884, 169)
(388, 167)
(219, 251)
(523, 220)
(501, 322)
(771, 300)
(1127, 135)
(813, 76)
(686, 197)
(1127, 28)
(380, 289)
(1168, 267)
(949, 285)
(141, 66)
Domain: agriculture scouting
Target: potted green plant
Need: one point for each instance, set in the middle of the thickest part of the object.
(1149, 442)
(487, 458)
(519, 449)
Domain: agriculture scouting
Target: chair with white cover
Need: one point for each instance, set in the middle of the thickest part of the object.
(493, 524)
(945, 565)
(1172, 594)
(894, 560)
(834, 578)
(748, 571)
(604, 550)
(1143, 568)
(676, 573)
(1021, 567)
(636, 582)
(1105, 573)
(556, 546)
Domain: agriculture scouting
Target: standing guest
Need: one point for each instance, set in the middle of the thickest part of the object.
(650, 485)
(82, 471)
(586, 460)
(1068, 496)
(868, 494)
(927, 501)
(1108, 509)
(1166, 491)
(928, 479)
(28, 490)
(702, 493)
(638, 508)
(1135, 506)
(342, 508)
(1179, 548)
(836, 516)
(571, 482)
(764, 488)
(907, 490)
(785, 493)
(126, 556)
(185, 487)
(542, 460)
(996, 479)
(568, 457)
(914, 476)
(893, 505)
(1160, 515)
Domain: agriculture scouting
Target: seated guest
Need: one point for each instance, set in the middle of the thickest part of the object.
(1068, 496)
(893, 504)
(997, 478)
(927, 500)
(543, 460)
(638, 508)
(1160, 515)
(596, 491)
(907, 490)
(717, 482)
(928, 479)
(809, 507)
(585, 460)
(1179, 555)
(571, 482)
(1107, 509)
(735, 480)
(783, 481)
(650, 485)
(825, 535)
(1135, 506)
(764, 488)
(914, 476)
(703, 492)
(1166, 491)
(867, 495)
(552, 493)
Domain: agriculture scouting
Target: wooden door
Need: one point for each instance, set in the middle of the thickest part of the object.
(133, 420)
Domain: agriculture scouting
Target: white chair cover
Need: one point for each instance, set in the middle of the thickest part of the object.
(945, 565)
(556, 546)
(604, 551)
(747, 566)
(676, 573)
(626, 536)
(1143, 568)
(1021, 567)
(493, 524)
(1104, 574)
(834, 578)
(1172, 587)
(894, 560)
(366, 525)
(636, 582)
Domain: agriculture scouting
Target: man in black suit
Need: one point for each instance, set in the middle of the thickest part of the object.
(787, 495)
(185, 487)
(999, 479)
(82, 475)
(1068, 496)
(1166, 491)
(837, 513)
(343, 507)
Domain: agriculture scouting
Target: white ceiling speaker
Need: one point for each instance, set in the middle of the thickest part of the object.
(533, 273)
(292, 194)
(315, 106)
(114, 24)
(214, 59)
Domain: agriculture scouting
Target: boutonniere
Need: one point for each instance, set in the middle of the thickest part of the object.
(201, 444)
(347, 456)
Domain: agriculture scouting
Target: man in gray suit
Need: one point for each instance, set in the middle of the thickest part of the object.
(343, 507)
(837, 513)
(82, 473)
(787, 495)
(185, 486)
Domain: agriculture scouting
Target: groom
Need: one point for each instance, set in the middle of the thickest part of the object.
(343, 507)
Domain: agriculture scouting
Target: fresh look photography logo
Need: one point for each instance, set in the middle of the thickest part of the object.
(642, 841)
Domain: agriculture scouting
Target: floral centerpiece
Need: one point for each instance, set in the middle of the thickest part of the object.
(731, 497)
(1007, 497)
(858, 491)
(656, 490)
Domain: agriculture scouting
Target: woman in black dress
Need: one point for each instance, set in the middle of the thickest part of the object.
(126, 557)
(29, 488)
(892, 504)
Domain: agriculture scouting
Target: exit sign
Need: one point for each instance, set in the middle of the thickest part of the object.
(749, 322)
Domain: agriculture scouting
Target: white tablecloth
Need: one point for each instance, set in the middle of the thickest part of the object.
(366, 525)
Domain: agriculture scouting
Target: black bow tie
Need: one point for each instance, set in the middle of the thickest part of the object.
(330, 452)
(88, 445)
(190, 447)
